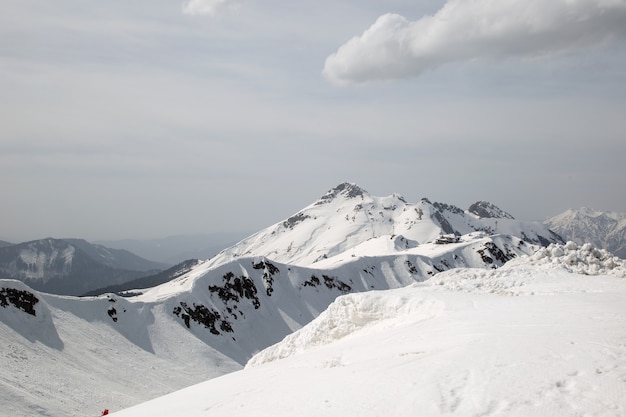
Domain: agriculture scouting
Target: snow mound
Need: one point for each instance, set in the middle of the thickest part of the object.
(521, 275)
(579, 259)
(348, 315)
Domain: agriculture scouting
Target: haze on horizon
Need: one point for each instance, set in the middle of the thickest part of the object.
(156, 118)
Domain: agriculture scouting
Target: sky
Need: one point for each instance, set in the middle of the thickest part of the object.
(147, 119)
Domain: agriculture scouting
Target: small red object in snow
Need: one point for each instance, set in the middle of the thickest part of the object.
(105, 412)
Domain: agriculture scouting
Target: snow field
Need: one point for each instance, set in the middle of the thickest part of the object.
(556, 349)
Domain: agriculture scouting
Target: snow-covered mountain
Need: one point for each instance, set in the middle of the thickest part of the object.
(531, 338)
(4, 243)
(219, 313)
(605, 230)
(71, 266)
(347, 216)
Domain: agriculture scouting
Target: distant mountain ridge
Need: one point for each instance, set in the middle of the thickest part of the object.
(70, 266)
(175, 249)
(606, 230)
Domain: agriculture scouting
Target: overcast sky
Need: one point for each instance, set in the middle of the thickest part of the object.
(149, 118)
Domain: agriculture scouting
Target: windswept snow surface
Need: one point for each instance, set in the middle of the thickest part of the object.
(528, 339)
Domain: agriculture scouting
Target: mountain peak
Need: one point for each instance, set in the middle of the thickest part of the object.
(588, 212)
(488, 210)
(345, 189)
(606, 230)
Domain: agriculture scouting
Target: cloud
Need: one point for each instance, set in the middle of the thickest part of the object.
(207, 7)
(394, 47)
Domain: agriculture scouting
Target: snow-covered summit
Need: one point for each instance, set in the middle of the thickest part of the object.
(348, 216)
(606, 230)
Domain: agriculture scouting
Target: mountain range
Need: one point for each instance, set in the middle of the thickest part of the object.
(76, 356)
(71, 266)
(605, 230)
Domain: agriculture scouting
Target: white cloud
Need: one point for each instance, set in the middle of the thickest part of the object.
(394, 47)
(207, 7)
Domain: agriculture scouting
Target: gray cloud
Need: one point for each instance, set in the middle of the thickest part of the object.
(207, 7)
(135, 120)
(395, 47)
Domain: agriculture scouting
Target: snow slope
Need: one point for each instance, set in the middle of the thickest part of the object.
(65, 356)
(527, 339)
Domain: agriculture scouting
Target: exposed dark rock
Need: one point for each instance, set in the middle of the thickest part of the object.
(541, 240)
(445, 225)
(370, 270)
(347, 189)
(294, 220)
(313, 282)
(235, 288)
(333, 282)
(268, 275)
(329, 282)
(488, 210)
(448, 207)
(412, 269)
(496, 253)
(203, 315)
(21, 299)
(112, 312)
